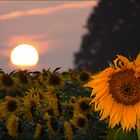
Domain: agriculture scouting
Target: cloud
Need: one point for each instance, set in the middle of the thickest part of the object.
(39, 41)
(48, 10)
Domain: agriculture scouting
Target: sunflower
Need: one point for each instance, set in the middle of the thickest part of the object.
(9, 106)
(24, 79)
(43, 77)
(37, 92)
(137, 66)
(82, 105)
(8, 82)
(68, 131)
(71, 74)
(38, 130)
(31, 104)
(52, 110)
(53, 103)
(13, 126)
(68, 110)
(55, 81)
(117, 93)
(83, 77)
(80, 121)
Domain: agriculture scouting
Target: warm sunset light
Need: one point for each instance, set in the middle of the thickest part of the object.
(24, 55)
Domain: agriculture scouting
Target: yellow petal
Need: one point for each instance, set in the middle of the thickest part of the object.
(101, 94)
(102, 104)
(107, 109)
(125, 119)
(106, 73)
(137, 72)
(119, 113)
(100, 87)
(129, 117)
(123, 125)
(112, 122)
(99, 81)
(89, 84)
(132, 116)
(137, 61)
(92, 93)
(137, 110)
(114, 109)
(121, 58)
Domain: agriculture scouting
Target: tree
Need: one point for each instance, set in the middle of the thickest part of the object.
(113, 28)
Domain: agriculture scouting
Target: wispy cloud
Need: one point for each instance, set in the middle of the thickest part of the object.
(48, 10)
(37, 40)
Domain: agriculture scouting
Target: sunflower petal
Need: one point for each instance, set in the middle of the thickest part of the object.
(103, 103)
(137, 110)
(89, 84)
(106, 73)
(137, 61)
(114, 110)
(101, 94)
(125, 118)
(100, 87)
(99, 81)
(131, 115)
(118, 116)
(112, 122)
(107, 109)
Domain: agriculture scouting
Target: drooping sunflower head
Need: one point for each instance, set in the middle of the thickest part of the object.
(9, 106)
(71, 74)
(55, 80)
(117, 93)
(8, 82)
(24, 79)
(83, 77)
(13, 126)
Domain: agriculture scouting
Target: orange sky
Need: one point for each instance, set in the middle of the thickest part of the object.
(55, 28)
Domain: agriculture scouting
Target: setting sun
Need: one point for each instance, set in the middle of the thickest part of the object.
(24, 55)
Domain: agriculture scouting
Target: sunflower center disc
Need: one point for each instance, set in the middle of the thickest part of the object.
(81, 122)
(12, 106)
(7, 80)
(125, 87)
(54, 80)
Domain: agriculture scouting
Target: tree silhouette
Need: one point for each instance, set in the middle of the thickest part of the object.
(113, 28)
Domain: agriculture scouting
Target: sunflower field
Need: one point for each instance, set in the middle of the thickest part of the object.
(71, 105)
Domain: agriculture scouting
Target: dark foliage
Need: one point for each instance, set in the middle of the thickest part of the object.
(113, 28)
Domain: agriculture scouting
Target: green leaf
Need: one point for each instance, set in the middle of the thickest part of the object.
(119, 134)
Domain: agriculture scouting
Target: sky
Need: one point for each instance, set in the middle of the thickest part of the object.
(54, 28)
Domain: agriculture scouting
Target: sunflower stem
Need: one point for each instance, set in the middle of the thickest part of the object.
(117, 133)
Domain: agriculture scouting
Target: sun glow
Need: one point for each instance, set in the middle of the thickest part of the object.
(24, 55)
